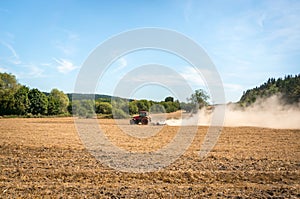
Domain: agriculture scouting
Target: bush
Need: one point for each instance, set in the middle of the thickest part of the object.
(83, 108)
(157, 108)
(103, 108)
(119, 114)
(133, 108)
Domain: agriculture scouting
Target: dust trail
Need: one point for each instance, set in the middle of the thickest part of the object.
(270, 113)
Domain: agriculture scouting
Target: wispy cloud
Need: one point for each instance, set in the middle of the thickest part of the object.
(65, 66)
(121, 64)
(11, 56)
(68, 45)
(11, 62)
(255, 35)
(187, 10)
(233, 87)
(193, 77)
(34, 70)
(10, 36)
(66, 49)
(46, 64)
(29, 71)
(257, 43)
(73, 36)
(2, 70)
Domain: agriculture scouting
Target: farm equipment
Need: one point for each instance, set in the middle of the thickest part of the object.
(142, 118)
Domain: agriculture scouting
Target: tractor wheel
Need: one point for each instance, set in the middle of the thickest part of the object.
(132, 122)
(144, 121)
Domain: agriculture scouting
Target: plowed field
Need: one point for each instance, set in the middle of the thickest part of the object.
(44, 158)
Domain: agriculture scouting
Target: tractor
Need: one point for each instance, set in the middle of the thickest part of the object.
(142, 118)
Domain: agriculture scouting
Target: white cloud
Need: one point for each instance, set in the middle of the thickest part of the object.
(12, 56)
(29, 71)
(187, 10)
(2, 70)
(233, 87)
(262, 34)
(256, 44)
(66, 49)
(192, 76)
(139, 78)
(121, 63)
(65, 66)
(73, 36)
(46, 64)
(68, 45)
(12, 63)
(34, 71)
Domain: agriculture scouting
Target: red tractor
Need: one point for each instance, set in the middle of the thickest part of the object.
(142, 118)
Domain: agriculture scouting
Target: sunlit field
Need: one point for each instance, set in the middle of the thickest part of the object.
(44, 157)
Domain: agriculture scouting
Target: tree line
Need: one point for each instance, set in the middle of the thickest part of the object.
(288, 88)
(118, 108)
(17, 99)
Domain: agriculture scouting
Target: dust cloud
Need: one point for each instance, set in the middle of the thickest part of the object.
(270, 113)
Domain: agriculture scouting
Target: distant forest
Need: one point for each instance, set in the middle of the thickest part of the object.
(287, 88)
(20, 100)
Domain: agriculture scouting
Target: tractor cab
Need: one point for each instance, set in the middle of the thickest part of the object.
(143, 114)
(142, 118)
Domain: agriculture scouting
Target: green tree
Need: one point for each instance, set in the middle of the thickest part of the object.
(188, 107)
(8, 87)
(119, 113)
(83, 108)
(169, 99)
(38, 102)
(199, 98)
(8, 81)
(171, 106)
(21, 100)
(133, 108)
(120, 108)
(57, 102)
(157, 108)
(119, 103)
(143, 105)
(103, 107)
(288, 88)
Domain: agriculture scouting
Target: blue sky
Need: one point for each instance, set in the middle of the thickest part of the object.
(44, 43)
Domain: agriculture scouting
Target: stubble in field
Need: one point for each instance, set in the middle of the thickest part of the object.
(45, 158)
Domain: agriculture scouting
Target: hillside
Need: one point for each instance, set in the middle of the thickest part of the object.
(99, 97)
(287, 88)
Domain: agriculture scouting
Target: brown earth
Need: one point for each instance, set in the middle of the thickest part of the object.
(44, 158)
